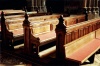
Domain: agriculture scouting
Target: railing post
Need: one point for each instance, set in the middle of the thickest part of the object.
(60, 39)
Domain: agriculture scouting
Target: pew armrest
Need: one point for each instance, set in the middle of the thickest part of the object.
(35, 40)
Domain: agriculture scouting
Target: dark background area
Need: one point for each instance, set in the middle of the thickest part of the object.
(55, 6)
(12, 4)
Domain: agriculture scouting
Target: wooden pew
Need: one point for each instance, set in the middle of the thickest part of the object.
(80, 18)
(18, 15)
(12, 12)
(11, 23)
(32, 40)
(77, 43)
(36, 18)
(15, 26)
(68, 21)
(20, 12)
(14, 30)
(30, 14)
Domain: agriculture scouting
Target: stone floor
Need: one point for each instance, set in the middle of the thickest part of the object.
(96, 61)
(6, 59)
(9, 60)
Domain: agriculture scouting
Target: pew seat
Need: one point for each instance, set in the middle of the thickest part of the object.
(85, 52)
(37, 28)
(42, 40)
(84, 48)
(46, 38)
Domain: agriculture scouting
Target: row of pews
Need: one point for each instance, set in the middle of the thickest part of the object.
(14, 14)
(13, 29)
(72, 35)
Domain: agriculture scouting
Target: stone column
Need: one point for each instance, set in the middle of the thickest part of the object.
(33, 5)
(36, 3)
(90, 14)
(94, 6)
(40, 5)
(85, 4)
(90, 2)
(44, 6)
(97, 8)
(85, 8)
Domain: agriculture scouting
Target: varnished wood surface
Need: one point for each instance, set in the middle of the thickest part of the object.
(86, 32)
(10, 12)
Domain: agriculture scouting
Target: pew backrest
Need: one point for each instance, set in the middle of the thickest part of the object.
(80, 29)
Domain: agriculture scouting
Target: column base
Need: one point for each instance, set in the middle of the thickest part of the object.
(30, 8)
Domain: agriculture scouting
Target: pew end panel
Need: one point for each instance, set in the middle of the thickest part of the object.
(5, 34)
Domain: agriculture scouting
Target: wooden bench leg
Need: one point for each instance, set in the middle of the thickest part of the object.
(99, 51)
(35, 50)
(11, 44)
(91, 59)
(64, 62)
(8, 45)
(72, 63)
